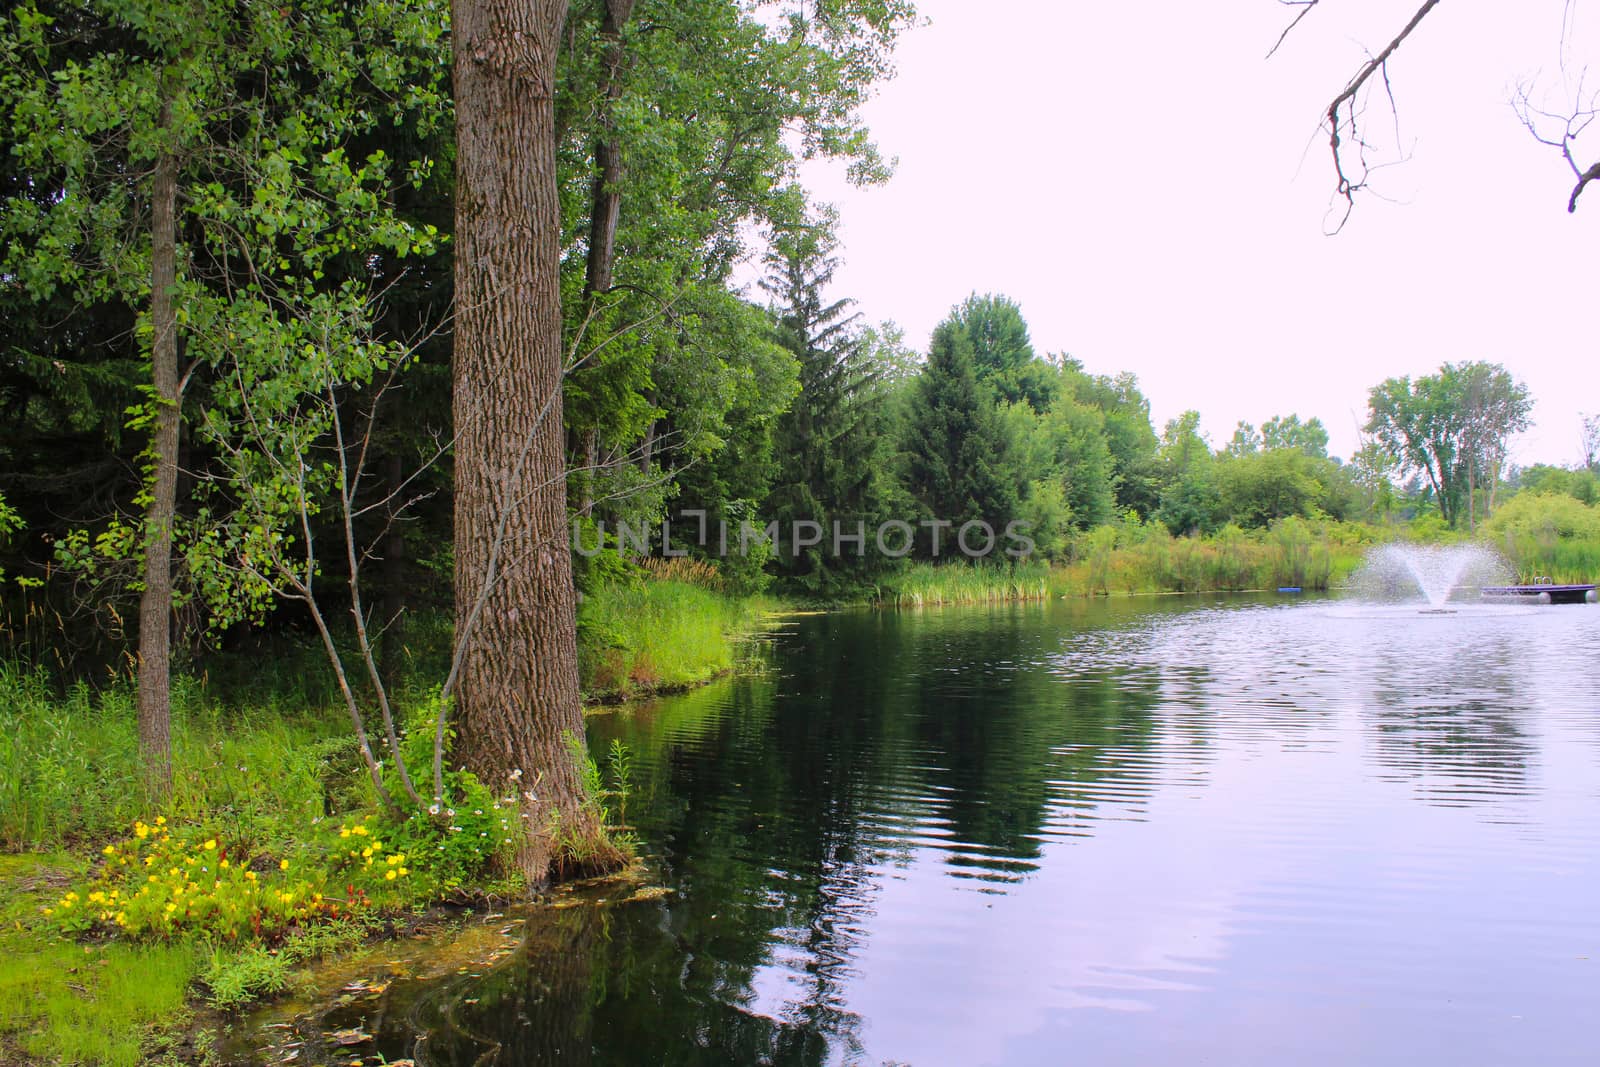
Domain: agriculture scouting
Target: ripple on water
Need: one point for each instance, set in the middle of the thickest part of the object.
(1137, 832)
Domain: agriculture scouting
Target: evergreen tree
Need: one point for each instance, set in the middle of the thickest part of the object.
(831, 443)
(958, 465)
(1002, 351)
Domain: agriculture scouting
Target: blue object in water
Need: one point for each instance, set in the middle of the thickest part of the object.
(1288, 589)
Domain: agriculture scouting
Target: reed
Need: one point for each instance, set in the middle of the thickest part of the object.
(662, 633)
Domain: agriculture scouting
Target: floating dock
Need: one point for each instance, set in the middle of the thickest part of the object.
(1545, 592)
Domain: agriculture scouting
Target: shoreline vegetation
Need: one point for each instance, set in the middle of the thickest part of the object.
(265, 783)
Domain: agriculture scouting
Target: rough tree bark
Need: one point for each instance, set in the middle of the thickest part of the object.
(155, 604)
(517, 699)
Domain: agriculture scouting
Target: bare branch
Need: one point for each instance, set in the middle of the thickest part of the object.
(1305, 7)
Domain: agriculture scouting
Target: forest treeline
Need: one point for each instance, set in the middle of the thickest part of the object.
(315, 230)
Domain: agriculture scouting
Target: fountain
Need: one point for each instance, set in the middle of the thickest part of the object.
(1400, 572)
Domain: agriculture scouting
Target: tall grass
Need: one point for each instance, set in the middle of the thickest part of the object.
(660, 633)
(1145, 559)
(926, 584)
(71, 765)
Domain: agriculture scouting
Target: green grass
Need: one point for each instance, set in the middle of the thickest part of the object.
(1547, 535)
(65, 1002)
(653, 634)
(1146, 559)
(927, 584)
(72, 762)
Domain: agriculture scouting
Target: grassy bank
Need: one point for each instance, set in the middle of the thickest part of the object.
(661, 634)
(1547, 535)
(1136, 558)
(1147, 559)
(122, 922)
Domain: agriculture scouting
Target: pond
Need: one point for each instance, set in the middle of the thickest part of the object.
(1158, 831)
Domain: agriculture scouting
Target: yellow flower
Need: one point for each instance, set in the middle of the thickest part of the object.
(250, 875)
(141, 830)
(359, 831)
(161, 820)
(109, 850)
(283, 865)
(223, 865)
(404, 872)
(171, 907)
(344, 832)
(389, 877)
(366, 853)
(211, 844)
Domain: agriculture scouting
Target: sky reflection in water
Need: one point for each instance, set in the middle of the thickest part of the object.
(1127, 833)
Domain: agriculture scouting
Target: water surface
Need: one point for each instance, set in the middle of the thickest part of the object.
(1140, 832)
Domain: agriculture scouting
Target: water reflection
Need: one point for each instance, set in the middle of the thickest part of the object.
(1145, 832)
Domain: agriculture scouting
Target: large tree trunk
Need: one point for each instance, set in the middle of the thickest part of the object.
(517, 700)
(155, 605)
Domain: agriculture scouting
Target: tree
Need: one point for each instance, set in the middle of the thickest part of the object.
(1310, 437)
(1494, 408)
(1258, 489)
(670, 146)
(1246, 441)
(1129, 435)
(1002, 351)
(958, 464)
(1452, 427)
(187, 163)
(1591, 442)
(517, 699)
(831, 443)
(1189, 497)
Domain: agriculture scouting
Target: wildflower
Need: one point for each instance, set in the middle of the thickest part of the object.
(223, 865)
(171, 907)
(161, 820)
(141, 831)
(389, 876)
(359, 831)
(433, 809)
(109, 850)
(344, 831)
(211, 845)
(404, 872)
(250, 875)
(283, 865)
(516, 774)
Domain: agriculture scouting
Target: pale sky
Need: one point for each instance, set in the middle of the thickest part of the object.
(1154, 192)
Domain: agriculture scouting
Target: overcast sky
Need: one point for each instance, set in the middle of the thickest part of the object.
(1154, 192)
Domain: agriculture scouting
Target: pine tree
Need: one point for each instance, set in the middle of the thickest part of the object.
(955, 443)
(831, 443)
